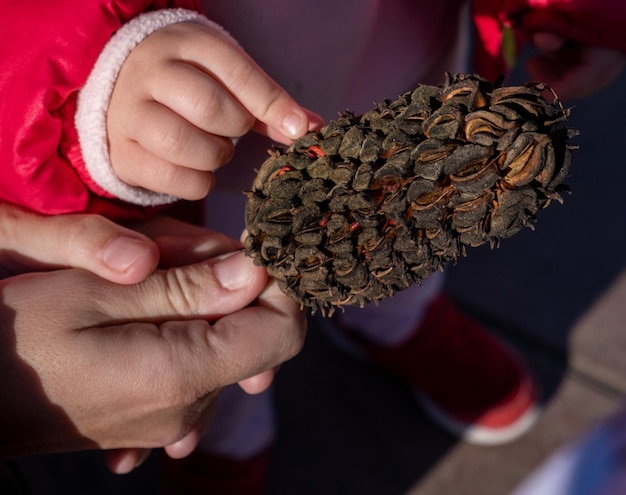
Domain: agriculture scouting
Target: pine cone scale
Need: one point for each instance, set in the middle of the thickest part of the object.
(370, 204)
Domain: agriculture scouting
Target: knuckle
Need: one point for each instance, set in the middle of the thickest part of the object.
(195, 185)
(246, 124)
(183, 290)
(74, 232)
(209, 105)
(242, 76)
(273, 100)
(175, 140)
(223, 152)
(215, 152)
(228, 118)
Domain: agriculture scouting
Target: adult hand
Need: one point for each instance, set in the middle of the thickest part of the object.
(88, 363)
(180, 97)
(31, 242)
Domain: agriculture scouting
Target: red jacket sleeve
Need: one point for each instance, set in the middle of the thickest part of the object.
(588, 22)
(47, 50)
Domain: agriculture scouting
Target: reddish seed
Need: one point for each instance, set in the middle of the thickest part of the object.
(285, 169)
(315, 151)
(354, 226)
(324, 221)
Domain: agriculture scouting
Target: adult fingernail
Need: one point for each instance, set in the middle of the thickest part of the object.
(122, 252)
(293, 125)
(233, 272)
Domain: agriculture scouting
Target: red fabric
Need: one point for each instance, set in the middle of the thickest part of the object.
(459, 367)
(47, 50)
(589, 22)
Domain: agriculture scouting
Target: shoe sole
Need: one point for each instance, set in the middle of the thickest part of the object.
(471, 434)
(476, 434)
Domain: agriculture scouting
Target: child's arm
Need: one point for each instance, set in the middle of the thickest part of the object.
(47, 50)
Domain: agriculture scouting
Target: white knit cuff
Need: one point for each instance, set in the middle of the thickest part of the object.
(94, 97)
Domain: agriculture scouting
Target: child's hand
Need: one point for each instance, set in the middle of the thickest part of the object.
(180, 97)
(572, 69)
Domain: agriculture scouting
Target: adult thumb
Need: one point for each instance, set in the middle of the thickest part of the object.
(205, 290)
(91, 242)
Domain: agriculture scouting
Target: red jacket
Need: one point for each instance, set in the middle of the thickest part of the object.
(588, 22)
(47, 50)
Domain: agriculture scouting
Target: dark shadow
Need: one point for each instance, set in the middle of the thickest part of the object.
(346, 428)
(29, 419)
(26, 411)
(85, 473)
(72, 473)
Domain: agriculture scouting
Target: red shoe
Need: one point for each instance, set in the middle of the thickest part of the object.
(468, 383)
(206, 474)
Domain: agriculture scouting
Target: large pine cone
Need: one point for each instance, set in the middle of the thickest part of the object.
(371, 204)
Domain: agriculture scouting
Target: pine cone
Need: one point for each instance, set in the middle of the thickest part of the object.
(371, 204)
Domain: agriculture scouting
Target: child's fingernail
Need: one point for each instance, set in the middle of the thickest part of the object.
(293, 125)
(122, 252)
